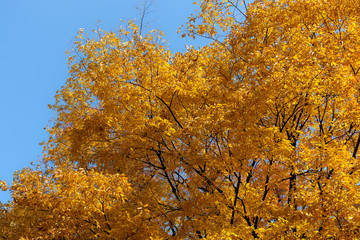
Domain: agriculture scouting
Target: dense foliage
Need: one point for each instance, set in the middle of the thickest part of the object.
(255, 135)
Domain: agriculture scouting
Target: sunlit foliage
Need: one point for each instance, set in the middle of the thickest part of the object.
(254, 135)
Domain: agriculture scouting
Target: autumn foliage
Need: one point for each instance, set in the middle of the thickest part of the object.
(255, 135)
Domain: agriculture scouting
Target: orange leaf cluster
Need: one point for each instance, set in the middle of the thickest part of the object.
(255, 135)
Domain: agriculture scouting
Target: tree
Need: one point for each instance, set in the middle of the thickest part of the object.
(255, 135)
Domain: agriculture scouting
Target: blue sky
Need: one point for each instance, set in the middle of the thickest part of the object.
(34, 37)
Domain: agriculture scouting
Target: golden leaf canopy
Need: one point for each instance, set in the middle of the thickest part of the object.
(255, 135)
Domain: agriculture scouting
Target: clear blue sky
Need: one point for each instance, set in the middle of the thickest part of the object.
(34, 37)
